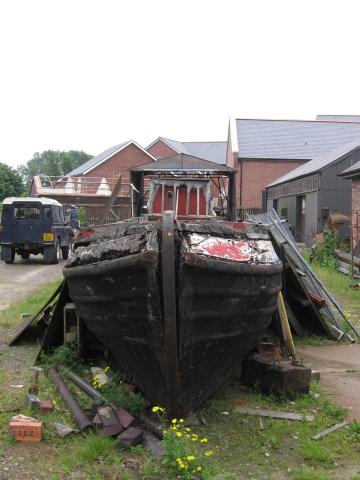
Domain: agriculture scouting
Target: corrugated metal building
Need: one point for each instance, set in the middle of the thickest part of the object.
(305, 195)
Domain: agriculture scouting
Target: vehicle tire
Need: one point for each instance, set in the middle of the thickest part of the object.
(10, 260)
(8, 254)
(52, 254)
(25, 255)
(65, 252)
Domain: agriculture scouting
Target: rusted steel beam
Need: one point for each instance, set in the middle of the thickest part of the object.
(169, 300)
(79, 416)
(85, 387)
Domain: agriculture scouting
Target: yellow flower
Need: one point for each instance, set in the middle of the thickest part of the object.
(156, 408)
(181, 420)
(165, 432)
(204, 440)
(188, 429)
(179, 460)
(174, 420)
(194, 437)
(187, 435)
(178, 434)
(198, 469)
(209, 453)
(190, 458)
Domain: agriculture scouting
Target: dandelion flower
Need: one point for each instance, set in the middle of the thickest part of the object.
(190, 458)
(174, 420)
(209, 453)
(178, 434)
(204, 440)
(181, 420)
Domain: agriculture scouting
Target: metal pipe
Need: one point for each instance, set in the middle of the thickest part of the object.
(75, 409)
(85, 387)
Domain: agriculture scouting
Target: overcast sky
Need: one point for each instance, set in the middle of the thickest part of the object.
(83, 74)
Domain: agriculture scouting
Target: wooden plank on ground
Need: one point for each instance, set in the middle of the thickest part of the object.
(330, 430)
(274, 414)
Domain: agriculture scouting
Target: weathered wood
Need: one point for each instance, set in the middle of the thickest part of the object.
(274, 414)
(326, 432)
(111, 200)
(285, 326)
(347, 258)
(294, 322)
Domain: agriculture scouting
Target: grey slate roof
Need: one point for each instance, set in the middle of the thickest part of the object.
(182, 162)
(318, 163)
(292, 139)
(95, 160)
(212, 151)
(339, 118)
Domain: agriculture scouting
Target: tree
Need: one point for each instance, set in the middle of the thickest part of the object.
(52, 163)
(11, 184)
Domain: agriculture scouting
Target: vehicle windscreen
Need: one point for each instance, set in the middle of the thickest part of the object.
(26, 212)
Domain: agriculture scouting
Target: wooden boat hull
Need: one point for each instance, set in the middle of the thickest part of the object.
(223, 308)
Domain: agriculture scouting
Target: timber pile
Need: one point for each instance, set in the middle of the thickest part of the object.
(310, 306)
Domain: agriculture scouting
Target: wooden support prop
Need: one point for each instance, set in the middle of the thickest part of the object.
(330, 430)
(274, 414)
(286, 327)
(114, 194)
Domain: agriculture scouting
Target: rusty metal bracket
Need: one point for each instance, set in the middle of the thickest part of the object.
(169, 301)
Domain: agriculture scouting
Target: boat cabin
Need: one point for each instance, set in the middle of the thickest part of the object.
(187, 197)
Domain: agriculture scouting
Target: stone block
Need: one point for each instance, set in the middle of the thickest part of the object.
(107, 416)
(124, 417)
(129, 438)
(275, 376)
(46, 405)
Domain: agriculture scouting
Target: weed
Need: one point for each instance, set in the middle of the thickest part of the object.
(315, 454)
(311, 474)
(324, 252)
(117, 393)
(331, 410)
(90, 449)
(66, 355)
(354, 431)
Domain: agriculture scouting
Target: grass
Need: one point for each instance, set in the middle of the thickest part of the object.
(312, 474)
(316, 454)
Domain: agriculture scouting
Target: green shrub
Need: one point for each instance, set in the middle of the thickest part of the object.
(117, 394)
(66, 355)
(324, 252)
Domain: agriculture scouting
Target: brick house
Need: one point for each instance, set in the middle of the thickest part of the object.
(91, 184)
(264, 150)
(353, 173)
(113, 162)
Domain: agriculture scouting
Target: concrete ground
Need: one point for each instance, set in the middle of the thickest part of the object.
(339, 367)
(23, 277)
